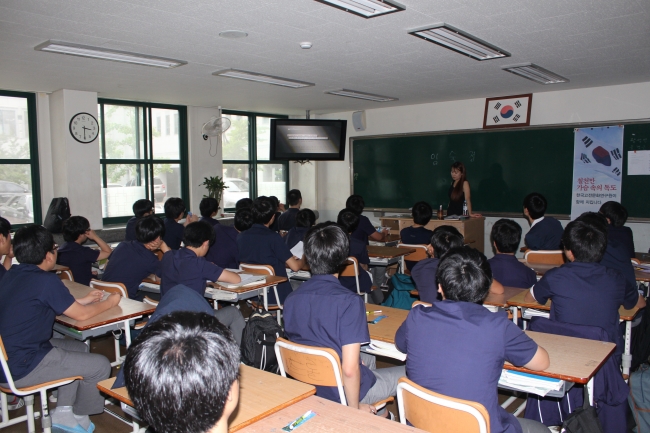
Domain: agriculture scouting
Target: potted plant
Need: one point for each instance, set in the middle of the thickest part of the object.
(215, 186)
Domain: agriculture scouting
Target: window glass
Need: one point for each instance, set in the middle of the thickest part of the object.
(166, 182)
(235, 139)
(263, 126)
(123, 132)
(236, 178)
(166, 144)
(16, 202)
(271, 180)
(125, 183)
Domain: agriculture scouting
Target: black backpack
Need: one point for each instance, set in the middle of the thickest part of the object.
(58, 212)
(641, 341)
(258, 341)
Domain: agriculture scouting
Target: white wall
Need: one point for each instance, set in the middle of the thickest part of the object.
(201, 163)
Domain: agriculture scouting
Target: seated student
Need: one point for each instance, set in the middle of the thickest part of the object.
(616, 216)
(457, 347)
(287, 220)
(209, 207)
(76, 230)
(585, 292)
(349, 221)
(224, 252)
(141, 208)
(279, 209)
(30, 298)
(365, 230)
(133, 261)
(323, 313)
(305, 219)
(243, 219)
(5, 246)
(545, 232)
(174, 211)
(417, 234)
(261, 246)
(505, 237)
(243, 203)
(179, 390)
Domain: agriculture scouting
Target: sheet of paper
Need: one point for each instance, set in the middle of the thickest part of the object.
(297, 251)
(638, 162)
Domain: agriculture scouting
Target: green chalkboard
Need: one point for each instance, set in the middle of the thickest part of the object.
(502, 167)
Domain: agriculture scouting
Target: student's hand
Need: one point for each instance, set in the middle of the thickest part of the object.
(191, 219)
(113, 299)
(367, 408)
(90, 233)
(164, 247)
(92, 297)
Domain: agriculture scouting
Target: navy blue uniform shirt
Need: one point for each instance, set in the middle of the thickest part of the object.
(424, 277)
(415, 236)
(224, 252)
(130, 229)
(287, 220)
(510, 272)
(79, 259)
(364, 229)
(275, 226)
(185, 267)
(545, 235)
(213, 222)
(359, 251)
(129, 264)
(30, 299)
(622, 235)
(321, 312)
(458, 349)
(259, 245)
(3, 271)
(295, 235)
(617, 257)
(173, 233)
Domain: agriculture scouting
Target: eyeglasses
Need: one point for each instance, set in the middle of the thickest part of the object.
(54, 248)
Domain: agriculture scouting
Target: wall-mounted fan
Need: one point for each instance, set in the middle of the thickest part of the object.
(215, 127)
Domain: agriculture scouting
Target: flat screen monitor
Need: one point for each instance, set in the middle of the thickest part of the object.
(302, 139)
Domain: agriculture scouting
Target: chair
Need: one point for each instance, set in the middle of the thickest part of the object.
(426, 304)
(351, 269)
(65, 275)
(437, 413)
(419, 254)
(265, 270)
(319, 366)
(141, 324)
(550, 257)
(27, 392)
(110, 287)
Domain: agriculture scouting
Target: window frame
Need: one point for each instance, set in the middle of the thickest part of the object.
(147, 160)
(252, 160)
(32, 128)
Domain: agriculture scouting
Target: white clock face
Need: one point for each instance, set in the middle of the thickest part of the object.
(84, 127)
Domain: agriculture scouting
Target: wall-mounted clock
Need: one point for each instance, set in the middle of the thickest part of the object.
(84, 127)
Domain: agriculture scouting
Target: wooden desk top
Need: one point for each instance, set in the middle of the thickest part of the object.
(271, 280)
(386, 328)
(641, 276)
(126, 309)
(260, 394)
(642, 257)
(388, 252)
(330, 417)
(541, 268)
(502, 299)
(391, 238)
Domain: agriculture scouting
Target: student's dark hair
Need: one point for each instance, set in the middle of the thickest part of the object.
(74, 227)
(243, 219)
(179, 372)
(465, 275)
(422, 213)
(243, 203)
(594, 218)
(262, 210)
(5, 227)
(506, 234)
(536, 205)
(174, 207)
(208, 206)
(326, 248)
(348, 220)
(586, 239)
(445, 238)
(275, 202)
(294, 196)
(616, 213)
(457, 191)
(198, 232)
(355, 203)
(149, 229)
(32, 243)
(141, 207)
(305, 218)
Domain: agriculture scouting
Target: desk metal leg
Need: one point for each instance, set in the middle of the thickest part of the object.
(627, 357)
(590, 388)
(265, 295)
(514, 311)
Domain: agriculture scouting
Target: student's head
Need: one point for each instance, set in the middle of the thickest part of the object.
(294, 198)
(208, 207)
(74, 227)
(326, 248)
(506, 235)
(32, 244)
(535, 204)
(197, 233)
(594, 218)
(422, 213)
(142, 207)
(348, 220)
(243, 203)
(174, 208)
(615, 213)
(262, 210)
(275, 202)
(464, 275)
(243, 219)
(181, 373)
(5, 236)
(585, 239)
(305, 218)
(444, 238)
(355, 203)
(149, 229)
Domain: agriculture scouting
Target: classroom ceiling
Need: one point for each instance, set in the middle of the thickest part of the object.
(591, 42)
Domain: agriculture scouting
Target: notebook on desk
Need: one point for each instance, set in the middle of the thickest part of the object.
(246, 279)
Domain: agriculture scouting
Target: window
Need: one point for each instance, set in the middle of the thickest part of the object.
(138, 159)
(247, 170)
(20, 198)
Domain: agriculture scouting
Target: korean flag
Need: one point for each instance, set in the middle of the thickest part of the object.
(507, 111)
(600, 149)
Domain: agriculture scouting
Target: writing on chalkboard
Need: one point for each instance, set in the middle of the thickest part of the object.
(452, 156)
(472, 156)
(434, 157)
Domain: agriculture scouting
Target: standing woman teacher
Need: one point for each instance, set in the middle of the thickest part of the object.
(459, 192)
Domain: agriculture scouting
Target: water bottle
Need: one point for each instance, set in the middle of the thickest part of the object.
(440, 214)
(464, 207)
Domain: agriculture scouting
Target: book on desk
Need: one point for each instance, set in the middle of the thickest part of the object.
(246, 280)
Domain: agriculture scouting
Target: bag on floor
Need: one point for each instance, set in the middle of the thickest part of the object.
(584, 419)
(258, 341)
(639, 398)
(58, 212)
(400, 296)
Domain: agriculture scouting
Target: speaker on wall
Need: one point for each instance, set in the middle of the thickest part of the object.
(359, 120)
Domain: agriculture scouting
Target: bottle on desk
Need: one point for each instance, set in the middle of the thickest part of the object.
(440, 214)
(464, 207)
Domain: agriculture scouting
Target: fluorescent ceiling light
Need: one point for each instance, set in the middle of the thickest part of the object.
(360, 95)
(262, 78)
(107, 54)
(366, 8)
(459, 41)
(535, 73)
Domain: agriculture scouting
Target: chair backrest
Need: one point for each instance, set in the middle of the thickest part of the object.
(110, 287)
(635, 261)
(148, 300)
(425, 304)
(420, 252)
(437, 413)
(65, 275)
(257, 269)
(350, 269)
(550, 257)
(5, 367)
(313, 365)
